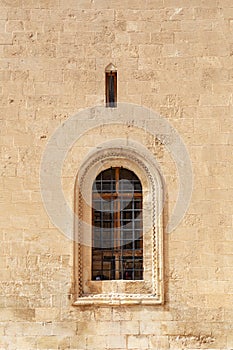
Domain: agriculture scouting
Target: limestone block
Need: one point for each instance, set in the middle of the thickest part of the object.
(42, 314)
(139, 38)
(46, 342)
(14, 26)
(116, 342)
(138, 342)
(159, 342)
(147, 328)
(95, 341)
(129, 327)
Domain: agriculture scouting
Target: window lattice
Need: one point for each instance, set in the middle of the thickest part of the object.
(117, 243)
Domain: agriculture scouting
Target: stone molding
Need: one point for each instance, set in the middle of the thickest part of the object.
(146, 169)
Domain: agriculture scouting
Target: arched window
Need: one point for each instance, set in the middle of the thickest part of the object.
(117, 243)
(111, 85)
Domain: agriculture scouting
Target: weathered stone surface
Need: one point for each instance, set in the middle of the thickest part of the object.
(173, 56)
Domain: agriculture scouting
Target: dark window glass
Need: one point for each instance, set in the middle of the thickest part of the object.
(117, 244)
(111, 89)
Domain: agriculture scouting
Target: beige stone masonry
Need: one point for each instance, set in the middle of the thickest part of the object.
(172, 56)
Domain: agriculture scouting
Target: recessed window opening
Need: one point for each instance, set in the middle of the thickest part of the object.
(111, 85)
(117, 242)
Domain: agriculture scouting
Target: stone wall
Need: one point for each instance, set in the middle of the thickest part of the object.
(173, 56)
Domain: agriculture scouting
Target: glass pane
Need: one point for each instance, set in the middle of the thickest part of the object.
(117, 226)
(129, 181)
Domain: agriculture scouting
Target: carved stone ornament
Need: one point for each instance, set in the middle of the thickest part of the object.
(120, 292)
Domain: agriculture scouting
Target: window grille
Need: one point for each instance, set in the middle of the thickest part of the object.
(117, 243)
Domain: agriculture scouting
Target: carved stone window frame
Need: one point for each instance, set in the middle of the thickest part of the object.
(119, 292)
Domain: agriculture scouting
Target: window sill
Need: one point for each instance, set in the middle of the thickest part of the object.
(118, 300)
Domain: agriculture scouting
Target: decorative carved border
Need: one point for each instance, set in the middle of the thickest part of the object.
(153, 177)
